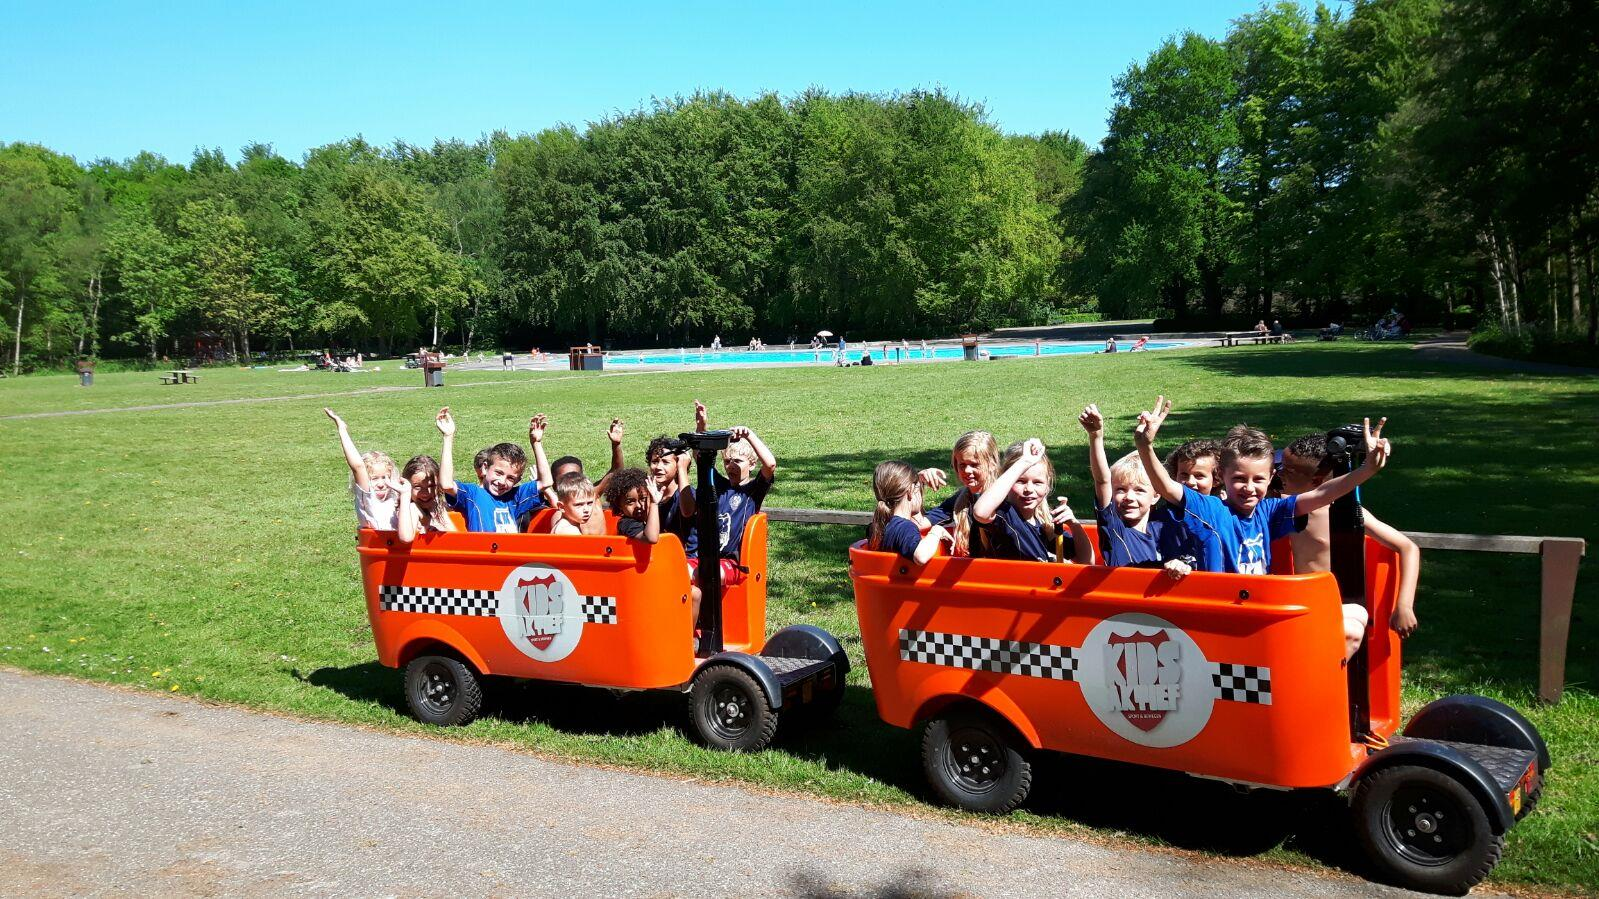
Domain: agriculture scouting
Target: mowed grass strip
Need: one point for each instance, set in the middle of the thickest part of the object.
(210, 550)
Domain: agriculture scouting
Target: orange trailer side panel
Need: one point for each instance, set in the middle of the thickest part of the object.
(604, 611)
(1231, 676)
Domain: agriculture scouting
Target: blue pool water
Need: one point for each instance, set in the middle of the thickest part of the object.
(811, 357)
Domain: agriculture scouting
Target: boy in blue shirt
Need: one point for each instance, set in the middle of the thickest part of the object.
(1236, 533)
(1123, 497)
(497, 501)
(751, 468)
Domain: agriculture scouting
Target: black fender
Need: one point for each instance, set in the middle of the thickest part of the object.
(804, 641)
(1452, 762)
(756, 669)
(1477, 719)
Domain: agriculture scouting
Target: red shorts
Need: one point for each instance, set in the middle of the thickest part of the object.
(731, 573)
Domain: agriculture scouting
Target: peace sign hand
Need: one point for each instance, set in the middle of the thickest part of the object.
(1378, 449)
(1149, 422)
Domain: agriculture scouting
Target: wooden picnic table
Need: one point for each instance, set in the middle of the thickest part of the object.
(1234, 338)
(180, 376)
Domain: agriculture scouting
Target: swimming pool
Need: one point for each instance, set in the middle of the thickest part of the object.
(895, 354)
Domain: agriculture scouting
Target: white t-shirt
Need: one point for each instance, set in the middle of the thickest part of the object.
(370, 512)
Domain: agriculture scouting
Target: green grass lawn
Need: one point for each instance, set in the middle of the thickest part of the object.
(208, 550)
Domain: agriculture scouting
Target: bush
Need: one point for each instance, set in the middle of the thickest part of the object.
(1563, 347)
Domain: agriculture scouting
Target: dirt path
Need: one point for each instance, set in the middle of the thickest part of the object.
(116, 792)
(1451, 347)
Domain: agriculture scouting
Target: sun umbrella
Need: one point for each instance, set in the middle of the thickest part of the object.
(824, 333)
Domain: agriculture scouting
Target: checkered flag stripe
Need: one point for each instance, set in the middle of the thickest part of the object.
(1242, 683)
(599, 609)
(988, 654)
(438, 600)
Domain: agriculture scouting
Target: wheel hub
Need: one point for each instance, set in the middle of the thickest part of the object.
(975, 760)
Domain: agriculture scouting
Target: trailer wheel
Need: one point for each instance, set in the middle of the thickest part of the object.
(730, 711)
(973, 762)
(442, 691)
(1425, 830)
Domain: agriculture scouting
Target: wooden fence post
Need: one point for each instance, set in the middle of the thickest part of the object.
(1560, 559)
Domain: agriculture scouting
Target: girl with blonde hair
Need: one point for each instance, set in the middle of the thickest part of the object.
(975, 461)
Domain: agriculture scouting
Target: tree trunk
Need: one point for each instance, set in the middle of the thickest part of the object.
(1492, 244)
(1549, 288)
(435, 326)
(1516, 283)
(1593, 302)
(16, 351)
(244, 340)
(1572, 274)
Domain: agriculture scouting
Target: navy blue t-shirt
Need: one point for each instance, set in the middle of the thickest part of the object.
(1243, 544)
(484, 511)
(736, 504)
(1177, 541)
(944, 512)
(900, 535)
(1121, 545)
(1009, 537)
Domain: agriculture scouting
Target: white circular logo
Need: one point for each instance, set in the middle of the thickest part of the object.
(542, 612)
(1146, 680)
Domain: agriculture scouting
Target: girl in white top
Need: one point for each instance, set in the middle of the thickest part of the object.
(379, 495)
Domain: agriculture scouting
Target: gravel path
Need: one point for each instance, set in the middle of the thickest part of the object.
(107, 792)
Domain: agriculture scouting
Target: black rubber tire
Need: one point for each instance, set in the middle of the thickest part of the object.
(443, 691)
(973, 761)
(1425, 830)
(729, 710)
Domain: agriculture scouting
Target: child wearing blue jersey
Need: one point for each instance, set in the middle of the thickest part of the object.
(497, 500)
(1123, 499)
(1013, 513)
(1236, 533)
(898, 522)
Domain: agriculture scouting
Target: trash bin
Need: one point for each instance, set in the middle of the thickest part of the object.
(85, 373)
(586, 358)
(969, 347)
(433, 371)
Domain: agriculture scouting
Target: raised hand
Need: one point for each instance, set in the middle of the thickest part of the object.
(1378, 449)
(1149, 422)
(1033, 451)
(535, 428)
(1091, 420)
(931, 478)
(701, 417)
(401, 486)
(444, 422)
(737, 433)
(615, 433)
(335, 416)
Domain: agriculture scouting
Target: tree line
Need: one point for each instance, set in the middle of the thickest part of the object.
(1314, 164)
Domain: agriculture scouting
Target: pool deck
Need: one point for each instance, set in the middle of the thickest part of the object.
(823, 357)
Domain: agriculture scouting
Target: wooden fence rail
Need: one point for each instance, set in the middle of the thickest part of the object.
(1561, 558)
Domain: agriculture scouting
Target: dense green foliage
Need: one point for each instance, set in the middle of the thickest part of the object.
(1414, 154)
(1325, 163)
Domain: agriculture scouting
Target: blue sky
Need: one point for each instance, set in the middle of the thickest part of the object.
(110, 79)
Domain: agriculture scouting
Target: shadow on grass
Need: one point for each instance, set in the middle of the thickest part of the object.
(1404, 360)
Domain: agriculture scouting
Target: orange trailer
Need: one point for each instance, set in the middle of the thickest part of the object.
(601, 611)
(1233, 677)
